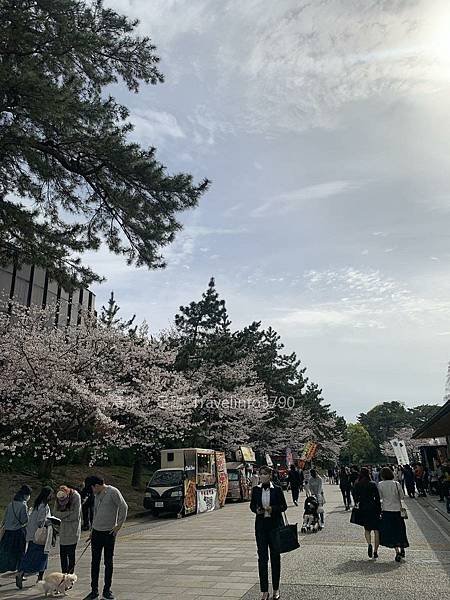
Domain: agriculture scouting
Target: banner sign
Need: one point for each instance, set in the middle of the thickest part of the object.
(206, 499)
(400, 451)
(247, 454)
(309, 451)
(289, 459)
(222, 477)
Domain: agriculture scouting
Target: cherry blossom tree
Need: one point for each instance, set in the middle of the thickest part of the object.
(56, 386)
(155, 406)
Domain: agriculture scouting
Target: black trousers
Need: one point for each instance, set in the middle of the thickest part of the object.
(102, 541)
(88, 515)
(346, 496)
(67, 557)
(295, 489)
(264, 544)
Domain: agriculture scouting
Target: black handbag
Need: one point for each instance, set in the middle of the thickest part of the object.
(285, 537)
(356, 517)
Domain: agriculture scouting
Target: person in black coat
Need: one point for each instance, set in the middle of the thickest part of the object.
(366, 496)
(87, 504)
(294, 482)
(268, 503)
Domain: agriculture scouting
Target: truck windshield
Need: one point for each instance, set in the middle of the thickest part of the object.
(167, 478)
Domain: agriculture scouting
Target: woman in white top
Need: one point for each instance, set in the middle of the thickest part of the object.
(316, 489)
(392, 527)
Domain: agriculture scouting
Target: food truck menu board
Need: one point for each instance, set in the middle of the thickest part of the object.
(206, 499)
(190, 491)
(222, 477)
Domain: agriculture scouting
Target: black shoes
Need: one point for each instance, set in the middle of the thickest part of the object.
(375, 554)
(91, 596)
(398, 557)
(402, 552)
(19, 581)
(370, 550)
(108, 595)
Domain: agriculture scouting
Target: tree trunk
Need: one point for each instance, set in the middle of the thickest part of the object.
(136, 479)
(46, 468)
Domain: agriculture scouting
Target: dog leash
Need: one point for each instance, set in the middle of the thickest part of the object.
(81, 555)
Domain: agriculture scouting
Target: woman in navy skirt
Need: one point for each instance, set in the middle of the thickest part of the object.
(12, 544)
(36, 556)
(392, 527)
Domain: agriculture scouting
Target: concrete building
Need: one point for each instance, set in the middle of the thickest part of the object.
(31, 285)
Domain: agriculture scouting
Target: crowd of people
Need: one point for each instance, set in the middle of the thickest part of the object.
(28, 533)
(374, 494)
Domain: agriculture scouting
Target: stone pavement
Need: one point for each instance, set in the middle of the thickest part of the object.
(213, 556)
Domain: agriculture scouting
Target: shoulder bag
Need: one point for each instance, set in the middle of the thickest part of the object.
(403, 511)
(285, 537)
(40, 537)
(356, 517)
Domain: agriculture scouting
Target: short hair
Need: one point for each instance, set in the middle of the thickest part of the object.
(265, 469)
(387, 474)
(96, 480)
(364, 474)
(313, 473)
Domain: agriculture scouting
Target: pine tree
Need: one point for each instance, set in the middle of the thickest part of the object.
(109, 318)
(64, 142)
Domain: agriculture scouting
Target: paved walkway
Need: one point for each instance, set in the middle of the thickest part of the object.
(214, 556)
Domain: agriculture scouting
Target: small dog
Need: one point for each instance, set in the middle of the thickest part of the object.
(57, 583)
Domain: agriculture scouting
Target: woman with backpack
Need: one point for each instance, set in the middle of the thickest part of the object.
(13, 538)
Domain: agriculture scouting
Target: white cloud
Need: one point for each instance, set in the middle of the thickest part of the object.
(153, 127)
(289, 201)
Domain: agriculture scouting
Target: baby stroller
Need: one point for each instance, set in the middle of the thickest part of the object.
(311, 520)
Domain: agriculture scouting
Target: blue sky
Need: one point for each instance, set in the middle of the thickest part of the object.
(324, 128)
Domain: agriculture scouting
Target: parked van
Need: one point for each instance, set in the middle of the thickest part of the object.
(190, 480)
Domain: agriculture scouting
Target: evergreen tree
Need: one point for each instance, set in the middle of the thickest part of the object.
(64, 142)
(109, 318)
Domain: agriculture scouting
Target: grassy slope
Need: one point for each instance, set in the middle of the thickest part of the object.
(120, 477)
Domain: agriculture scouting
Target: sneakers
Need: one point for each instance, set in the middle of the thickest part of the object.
(108, 595)
(91, 596)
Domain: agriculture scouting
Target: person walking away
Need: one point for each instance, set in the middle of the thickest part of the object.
(110, 513)
(392, 525)
(408, 476)
(418, 474)
(13, 540)
(68, 509)
(345, 486)
(354, 474)
(306, 476)
(39, 536)
(375, 475)
(87, 502)
(366, 496)
(294, 482)
(268, 503)
(316, 489)
(301, 477)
